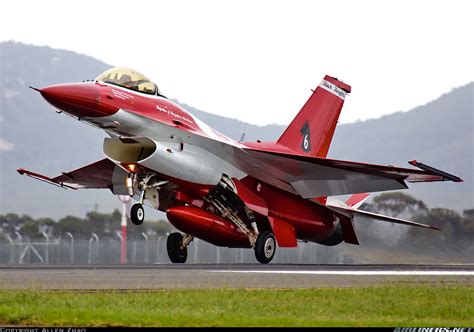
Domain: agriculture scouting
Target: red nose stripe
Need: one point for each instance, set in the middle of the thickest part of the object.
(78, 99)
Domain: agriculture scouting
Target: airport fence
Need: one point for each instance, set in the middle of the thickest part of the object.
(69, 250)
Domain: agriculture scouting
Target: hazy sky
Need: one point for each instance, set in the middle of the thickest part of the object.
(257, 60)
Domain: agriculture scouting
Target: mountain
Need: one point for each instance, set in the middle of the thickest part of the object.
(32, 136)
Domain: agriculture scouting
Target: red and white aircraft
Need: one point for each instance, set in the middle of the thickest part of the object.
(228, 193)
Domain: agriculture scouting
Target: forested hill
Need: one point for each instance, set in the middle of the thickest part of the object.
(33, 136)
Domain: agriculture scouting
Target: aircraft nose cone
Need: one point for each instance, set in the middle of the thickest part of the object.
(78, 99)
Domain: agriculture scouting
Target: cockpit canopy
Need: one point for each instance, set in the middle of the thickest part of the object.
(130, 79)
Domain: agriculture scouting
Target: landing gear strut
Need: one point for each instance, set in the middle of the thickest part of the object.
(177, 247)
(230, 206)
(147, 188)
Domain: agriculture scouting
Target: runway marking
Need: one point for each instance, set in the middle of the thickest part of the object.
(359, 273)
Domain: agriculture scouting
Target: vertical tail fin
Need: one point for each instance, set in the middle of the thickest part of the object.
(311, 131)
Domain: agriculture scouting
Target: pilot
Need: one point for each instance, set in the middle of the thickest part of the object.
(124, 79)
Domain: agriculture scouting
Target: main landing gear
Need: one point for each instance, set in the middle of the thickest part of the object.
(265, 247)
(230, 206)
(177, 247)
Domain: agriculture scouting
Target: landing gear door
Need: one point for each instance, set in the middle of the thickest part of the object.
(284, 233)
(151, 198)
(119, 181)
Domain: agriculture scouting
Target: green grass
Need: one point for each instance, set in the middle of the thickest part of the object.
(392, 305)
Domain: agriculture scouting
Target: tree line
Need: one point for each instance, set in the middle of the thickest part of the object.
(455, 226)
(102, 224)
(400, 205)
(454, 240)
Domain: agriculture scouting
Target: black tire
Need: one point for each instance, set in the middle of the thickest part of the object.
(173, 246)
(265, 247)
(137, 214)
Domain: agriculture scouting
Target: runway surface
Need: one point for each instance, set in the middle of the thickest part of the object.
(197, 276)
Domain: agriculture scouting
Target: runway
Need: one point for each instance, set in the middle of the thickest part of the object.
(248, 276)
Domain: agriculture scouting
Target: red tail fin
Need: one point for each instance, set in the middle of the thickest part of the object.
(312, 129)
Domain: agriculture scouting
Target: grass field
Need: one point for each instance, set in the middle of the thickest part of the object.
(391, 305)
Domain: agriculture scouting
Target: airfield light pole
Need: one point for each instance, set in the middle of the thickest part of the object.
(123, 241)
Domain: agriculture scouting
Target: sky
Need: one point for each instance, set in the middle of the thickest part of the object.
(258, 60)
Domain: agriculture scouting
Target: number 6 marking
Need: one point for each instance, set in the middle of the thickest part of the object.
(305, 142)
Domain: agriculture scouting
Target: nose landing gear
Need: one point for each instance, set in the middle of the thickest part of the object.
(147, 188)
(137, 214)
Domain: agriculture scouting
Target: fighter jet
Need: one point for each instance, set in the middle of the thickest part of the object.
(257, 195)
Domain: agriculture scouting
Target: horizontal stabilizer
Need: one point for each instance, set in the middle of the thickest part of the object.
(349, 212)
(356, 200)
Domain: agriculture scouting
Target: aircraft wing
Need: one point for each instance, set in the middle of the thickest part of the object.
(103, 174)
(314, 177)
